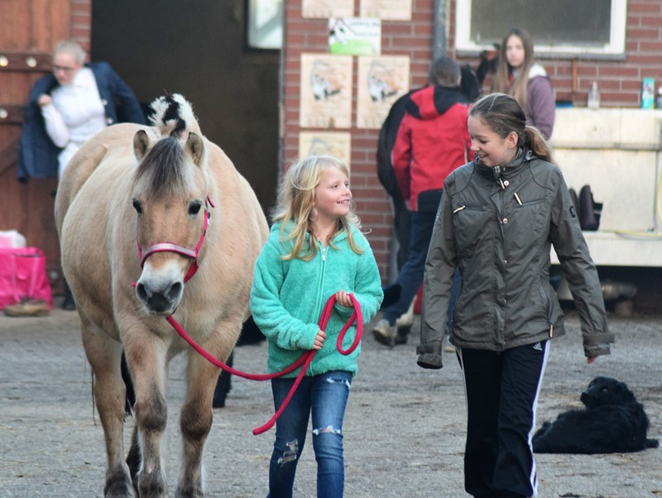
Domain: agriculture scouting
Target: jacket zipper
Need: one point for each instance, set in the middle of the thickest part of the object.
(320, 285)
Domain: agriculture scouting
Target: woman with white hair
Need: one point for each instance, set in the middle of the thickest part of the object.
(68, 107)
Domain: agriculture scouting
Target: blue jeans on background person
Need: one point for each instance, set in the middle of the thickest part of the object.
(410, 276)
(325, 397)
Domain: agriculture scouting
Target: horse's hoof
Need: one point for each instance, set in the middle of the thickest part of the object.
(189, 492)
(119, 486)
(152, 485)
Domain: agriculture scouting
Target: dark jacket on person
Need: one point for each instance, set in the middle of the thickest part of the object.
(37, 156)
(432, 140)
(498, 228)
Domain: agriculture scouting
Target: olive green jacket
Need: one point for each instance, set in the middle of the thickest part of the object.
(498, 225)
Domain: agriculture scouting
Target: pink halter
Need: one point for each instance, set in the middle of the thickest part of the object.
(170, 247)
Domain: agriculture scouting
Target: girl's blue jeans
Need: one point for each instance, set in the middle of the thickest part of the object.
(325, 397)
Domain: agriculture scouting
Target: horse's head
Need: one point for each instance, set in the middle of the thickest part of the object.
(170, 197)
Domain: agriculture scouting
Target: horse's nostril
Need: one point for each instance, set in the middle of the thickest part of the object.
(175, 290)
(142, 293)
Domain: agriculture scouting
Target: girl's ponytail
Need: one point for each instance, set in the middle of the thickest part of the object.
(534, 140)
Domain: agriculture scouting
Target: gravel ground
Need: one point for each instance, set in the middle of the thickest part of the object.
(404, 428)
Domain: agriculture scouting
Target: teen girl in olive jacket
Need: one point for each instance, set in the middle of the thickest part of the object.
(498, 219)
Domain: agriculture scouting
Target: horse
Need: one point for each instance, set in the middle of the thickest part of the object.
(138, 210)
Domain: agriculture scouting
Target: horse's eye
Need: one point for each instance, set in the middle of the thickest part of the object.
(137, 206)
(194, 208)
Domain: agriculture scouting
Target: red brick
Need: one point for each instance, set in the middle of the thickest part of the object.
(650, 46)
(643, 33)
(648, 21)
(396, 28)
(645, 59)
(619, 71)
(648, 7)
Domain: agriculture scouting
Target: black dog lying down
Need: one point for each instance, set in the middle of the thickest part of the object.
(613, 422)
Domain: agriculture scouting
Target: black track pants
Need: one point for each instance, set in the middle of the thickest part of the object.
(501, 393)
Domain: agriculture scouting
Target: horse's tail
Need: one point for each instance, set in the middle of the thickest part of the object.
(173, 116)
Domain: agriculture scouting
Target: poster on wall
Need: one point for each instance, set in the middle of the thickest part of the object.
(336, 144)
(326, 91)
(381, 81)
(355, 36)
(387, 10)
(327, 8)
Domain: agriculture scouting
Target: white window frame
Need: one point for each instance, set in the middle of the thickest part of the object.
(615, 47)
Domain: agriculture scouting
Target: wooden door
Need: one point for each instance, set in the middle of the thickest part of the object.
(29, 29)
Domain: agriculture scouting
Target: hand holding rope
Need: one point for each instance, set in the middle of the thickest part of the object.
(305, 359)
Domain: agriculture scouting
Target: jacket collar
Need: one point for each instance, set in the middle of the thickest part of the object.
(508, 170)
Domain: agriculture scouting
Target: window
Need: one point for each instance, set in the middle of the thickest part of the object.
(265, 24)
(569, 27)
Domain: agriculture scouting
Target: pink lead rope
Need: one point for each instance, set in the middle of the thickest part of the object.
(305, 359)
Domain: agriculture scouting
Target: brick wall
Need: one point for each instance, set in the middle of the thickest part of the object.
(81, 22)
(412, 38)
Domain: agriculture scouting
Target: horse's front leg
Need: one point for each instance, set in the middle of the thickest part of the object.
(146, 356)
(196, 416)
(104, 355)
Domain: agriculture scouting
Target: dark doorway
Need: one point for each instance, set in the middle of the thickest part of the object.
(198, 49)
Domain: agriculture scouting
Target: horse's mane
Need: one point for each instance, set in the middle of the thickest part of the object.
(163, 164)
(173, 116)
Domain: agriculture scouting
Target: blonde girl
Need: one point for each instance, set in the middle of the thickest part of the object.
(315, 250)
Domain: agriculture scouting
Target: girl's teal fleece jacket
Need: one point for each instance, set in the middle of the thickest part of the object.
(287, 299)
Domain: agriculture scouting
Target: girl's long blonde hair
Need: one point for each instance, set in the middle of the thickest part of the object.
(296, 200)
(504, 71)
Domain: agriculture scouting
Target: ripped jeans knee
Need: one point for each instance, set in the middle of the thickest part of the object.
(289, 454)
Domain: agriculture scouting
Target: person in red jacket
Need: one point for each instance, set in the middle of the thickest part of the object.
(432, 141)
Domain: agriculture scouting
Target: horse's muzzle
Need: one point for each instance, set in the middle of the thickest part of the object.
(160, 295)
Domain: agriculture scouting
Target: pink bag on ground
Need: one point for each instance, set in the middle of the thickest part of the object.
(23, 274)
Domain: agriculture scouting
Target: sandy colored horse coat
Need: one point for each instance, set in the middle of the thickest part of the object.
(135, 185)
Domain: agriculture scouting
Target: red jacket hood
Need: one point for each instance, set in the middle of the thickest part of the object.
(432, 101)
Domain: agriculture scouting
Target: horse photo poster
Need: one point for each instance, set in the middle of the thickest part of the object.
(326, 91)
(381, 81)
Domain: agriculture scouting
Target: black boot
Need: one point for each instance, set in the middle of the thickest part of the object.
(69, 304)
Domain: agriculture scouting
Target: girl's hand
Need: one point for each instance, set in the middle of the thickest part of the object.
(319, 340)
(343, 299)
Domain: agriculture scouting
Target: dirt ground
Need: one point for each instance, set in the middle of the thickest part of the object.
(404, 428)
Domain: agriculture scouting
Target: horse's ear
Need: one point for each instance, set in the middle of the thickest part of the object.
(195, 148)
(140, 144)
